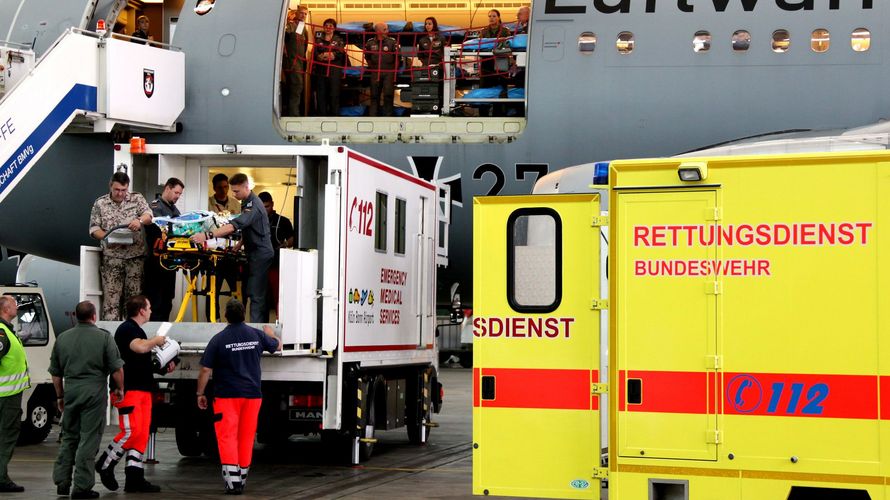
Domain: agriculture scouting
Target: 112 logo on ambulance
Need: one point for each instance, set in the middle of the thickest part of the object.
(361, 215)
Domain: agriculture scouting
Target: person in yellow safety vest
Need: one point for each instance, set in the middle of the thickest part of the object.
(14, 379)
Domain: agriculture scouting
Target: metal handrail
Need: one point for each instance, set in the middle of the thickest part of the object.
(10, 43)
(119, 36)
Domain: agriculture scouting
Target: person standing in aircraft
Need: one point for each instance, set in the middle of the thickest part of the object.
(495, 28)
(123, 253)
(382, 56)
(233, 358)
(134, 410)
(16, 379)
(282, 233)
(296, 35)
(489, 77)
(82, 358)
(329, 56)
(431, 46)
(220, 201)
(254, 226)
(141, 34)
(160, 283)
(522, 16)
(499, 32)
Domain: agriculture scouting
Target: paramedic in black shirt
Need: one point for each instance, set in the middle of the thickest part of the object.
(160, 283)
(134, 410)
(233, 358)
(281, 232)
(254, 226)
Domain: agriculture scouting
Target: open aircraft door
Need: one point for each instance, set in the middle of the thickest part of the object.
(537, 306)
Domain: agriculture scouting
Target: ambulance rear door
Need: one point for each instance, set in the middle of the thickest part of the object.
(537, 304)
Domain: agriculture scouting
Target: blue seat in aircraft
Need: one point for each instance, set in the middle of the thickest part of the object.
(484, 93)
(483, 44)
(358, 110)
(519, 42)
(494, 93)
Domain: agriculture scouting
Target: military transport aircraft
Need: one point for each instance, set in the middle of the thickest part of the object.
(604, 79)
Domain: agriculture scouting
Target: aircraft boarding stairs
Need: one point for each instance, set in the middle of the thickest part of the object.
(86, 82)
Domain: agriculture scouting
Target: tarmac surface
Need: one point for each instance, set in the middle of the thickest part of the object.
(301, 467)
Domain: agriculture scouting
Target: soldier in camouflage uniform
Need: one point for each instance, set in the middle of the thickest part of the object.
(122, 263)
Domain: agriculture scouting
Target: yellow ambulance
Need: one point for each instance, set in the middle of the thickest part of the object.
(746, 321)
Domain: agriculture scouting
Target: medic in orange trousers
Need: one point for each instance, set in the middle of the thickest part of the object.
(233, 358)
(134, 410)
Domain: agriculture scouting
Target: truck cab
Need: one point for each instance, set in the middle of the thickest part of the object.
(33, 327)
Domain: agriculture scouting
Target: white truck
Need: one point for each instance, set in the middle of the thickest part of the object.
(356, 312)
(33, 327)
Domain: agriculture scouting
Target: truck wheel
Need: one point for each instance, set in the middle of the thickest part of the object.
(466, 359)
(188, 439)
(209, 445)
(39, 418)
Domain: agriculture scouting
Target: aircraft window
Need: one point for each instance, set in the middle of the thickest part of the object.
(401, 213)
(534, 260)
(741, 41)
(625, 42)
(861, 40)
(31, 325)
(821, 40)
(701, 42)
(587, 42)
(204, 6)
(380, 222)
(781, 41)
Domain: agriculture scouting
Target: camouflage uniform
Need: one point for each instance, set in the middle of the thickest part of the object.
(122, 265)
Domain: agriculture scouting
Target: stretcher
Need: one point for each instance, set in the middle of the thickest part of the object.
(200, 263)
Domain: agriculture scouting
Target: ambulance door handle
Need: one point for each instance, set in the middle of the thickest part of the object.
(634, 391)
(430, 295)
(418, 269)
(488, 387)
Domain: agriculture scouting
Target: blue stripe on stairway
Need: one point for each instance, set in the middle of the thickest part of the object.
(80, 97)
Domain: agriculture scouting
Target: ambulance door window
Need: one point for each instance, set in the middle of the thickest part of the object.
(380, 222)
(399, 248)
(534, 260)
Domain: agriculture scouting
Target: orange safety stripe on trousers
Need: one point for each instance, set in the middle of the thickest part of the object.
(537, 388)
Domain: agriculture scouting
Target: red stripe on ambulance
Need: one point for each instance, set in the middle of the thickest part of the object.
(762, 394)
(537, 388)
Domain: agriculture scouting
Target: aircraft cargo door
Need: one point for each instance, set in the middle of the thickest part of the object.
(536, 306)
(664, 333)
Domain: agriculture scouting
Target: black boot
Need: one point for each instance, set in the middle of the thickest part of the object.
(106, 474)
(232, 476)
(136, 482)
